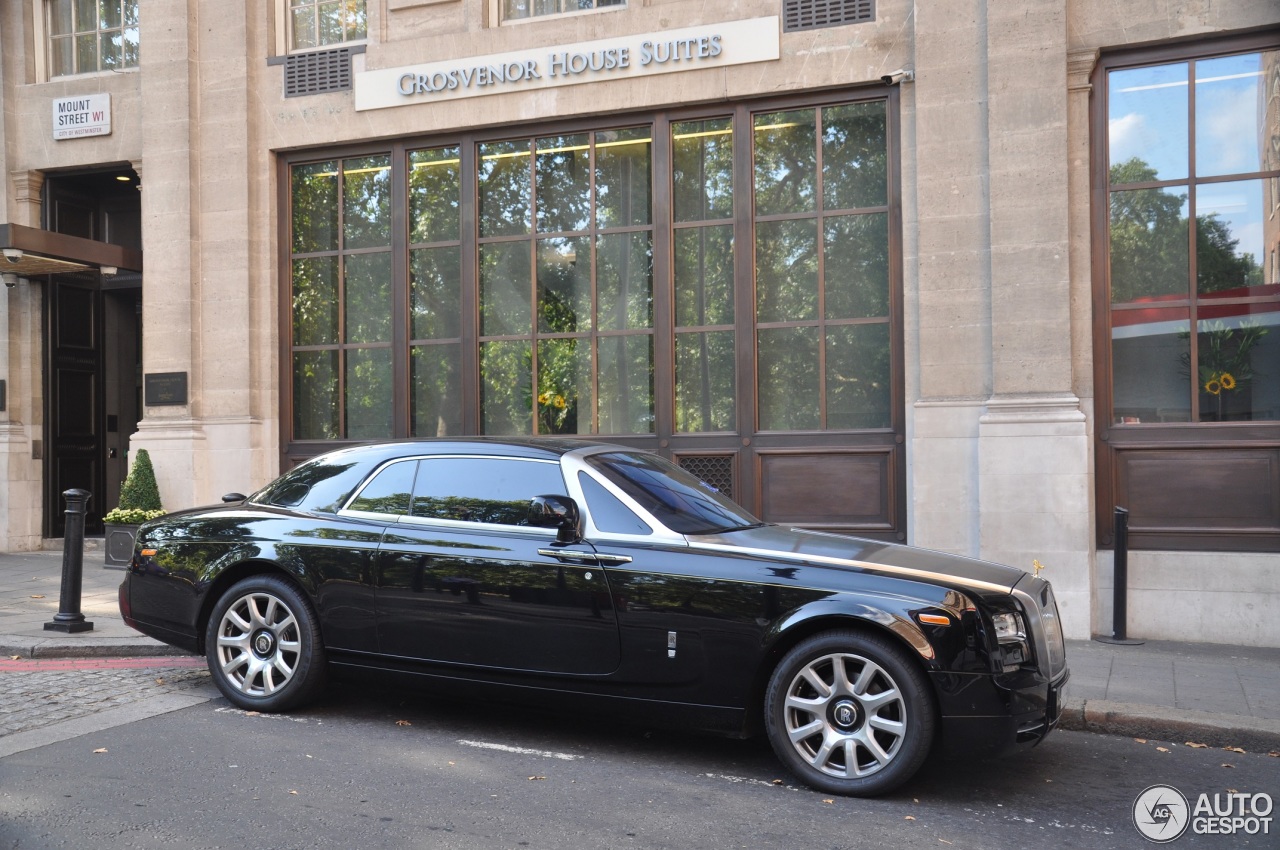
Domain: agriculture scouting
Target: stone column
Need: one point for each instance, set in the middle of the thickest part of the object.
(1035, 476)
(947, 280)
(21, 421)
(171, 236)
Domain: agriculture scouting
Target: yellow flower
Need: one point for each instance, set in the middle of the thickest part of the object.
(1213, 387)
(560, 402)
(1227, 380)
(544, 398)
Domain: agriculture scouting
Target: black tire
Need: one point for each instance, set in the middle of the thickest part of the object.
(263, 645)
(850, 713)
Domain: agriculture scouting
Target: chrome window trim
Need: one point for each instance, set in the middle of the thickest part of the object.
(571, 463)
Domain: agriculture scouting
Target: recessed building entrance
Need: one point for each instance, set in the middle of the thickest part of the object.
(93, 332)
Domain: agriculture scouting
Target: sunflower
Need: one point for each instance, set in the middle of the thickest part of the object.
(1227, 380)
(1213, 387)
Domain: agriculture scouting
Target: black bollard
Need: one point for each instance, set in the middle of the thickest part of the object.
(1120, 585)
(69, 619)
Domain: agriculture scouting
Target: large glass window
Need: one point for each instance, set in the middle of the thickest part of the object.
(703, 277)
(823, 356)
(566, 284)
(319, 23)
(1192, 177)
(341, 294)
(92, 35)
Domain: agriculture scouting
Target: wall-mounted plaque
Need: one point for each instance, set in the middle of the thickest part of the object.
(160, 388)
(3, 394)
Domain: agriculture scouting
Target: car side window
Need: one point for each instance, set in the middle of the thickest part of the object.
(495, 491)
(607, 511)
(388, 492)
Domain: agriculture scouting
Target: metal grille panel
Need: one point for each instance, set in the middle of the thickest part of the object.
(812, 14)
(317, 72)
(716, 470)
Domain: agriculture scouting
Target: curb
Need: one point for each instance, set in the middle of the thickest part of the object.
(29, 647)
(1254, 734)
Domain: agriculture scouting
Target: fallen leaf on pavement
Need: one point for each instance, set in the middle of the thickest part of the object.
(1140, 740)
(944, 841)
(1162, 749)
(1275, 754)
(1234, 750)
(1197, 746)
(294, 793)
(910, 817)
(160, 681)
(37, 596)
(536, 778)
(1224, 764)
(403, 723)
(828, 802)
(253, 714)
(100, 750)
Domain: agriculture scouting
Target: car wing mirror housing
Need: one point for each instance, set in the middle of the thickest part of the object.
(233, 497)
(558, 512)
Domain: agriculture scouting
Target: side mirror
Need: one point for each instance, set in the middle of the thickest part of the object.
(233, 497)
(558, 512)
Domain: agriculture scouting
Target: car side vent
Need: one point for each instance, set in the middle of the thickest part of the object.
(716, 470)
(813, 14)
(317, 72)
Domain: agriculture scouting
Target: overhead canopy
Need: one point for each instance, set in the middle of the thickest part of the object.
(45, 252)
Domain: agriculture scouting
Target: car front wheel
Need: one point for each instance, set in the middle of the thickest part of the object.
(850, 713)
(263, 645)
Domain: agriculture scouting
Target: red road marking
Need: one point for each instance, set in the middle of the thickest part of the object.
(36, 665)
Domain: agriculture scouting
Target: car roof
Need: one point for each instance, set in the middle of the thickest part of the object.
(526, 447)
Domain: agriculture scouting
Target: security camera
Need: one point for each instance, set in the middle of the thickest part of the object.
(10, 280)
(902, 75)
(13, 255)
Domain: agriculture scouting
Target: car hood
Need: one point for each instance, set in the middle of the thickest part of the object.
(858, 553)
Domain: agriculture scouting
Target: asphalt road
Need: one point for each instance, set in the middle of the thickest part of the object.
(380, 769)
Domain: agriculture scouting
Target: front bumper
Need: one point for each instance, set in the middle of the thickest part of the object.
(991, 715)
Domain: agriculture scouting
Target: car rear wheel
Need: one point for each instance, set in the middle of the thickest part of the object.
(850, 713)
(263, 645)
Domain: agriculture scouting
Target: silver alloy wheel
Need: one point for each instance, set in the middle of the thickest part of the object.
(845, 715)
(258, 644)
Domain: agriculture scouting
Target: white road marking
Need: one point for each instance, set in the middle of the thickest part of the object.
(262, 714)
(524, 751)
(746, 780)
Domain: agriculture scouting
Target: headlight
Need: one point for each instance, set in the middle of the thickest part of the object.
(1009, 627)
(1011, 634)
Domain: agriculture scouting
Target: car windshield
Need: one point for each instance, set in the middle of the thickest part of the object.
(683, 503)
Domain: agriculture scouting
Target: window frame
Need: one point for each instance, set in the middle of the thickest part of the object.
(878, 454)
(284, 30)
(43, 32)
(1192, 446)
(496, 18)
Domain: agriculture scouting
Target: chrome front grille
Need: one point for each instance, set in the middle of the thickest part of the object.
(1057, 648)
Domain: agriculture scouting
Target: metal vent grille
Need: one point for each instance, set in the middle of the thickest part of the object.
(812, 14)
(317, 72)
(716, 470)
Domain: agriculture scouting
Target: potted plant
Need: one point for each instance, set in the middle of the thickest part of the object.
(139, 502)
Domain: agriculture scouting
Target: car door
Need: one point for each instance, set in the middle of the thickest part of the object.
(464, 579)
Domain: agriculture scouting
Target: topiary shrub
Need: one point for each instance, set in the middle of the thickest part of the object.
(139, 495)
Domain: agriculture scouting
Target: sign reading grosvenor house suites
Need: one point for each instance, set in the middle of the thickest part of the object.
(728, 43)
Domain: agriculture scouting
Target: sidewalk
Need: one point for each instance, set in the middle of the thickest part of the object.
(1207, 693)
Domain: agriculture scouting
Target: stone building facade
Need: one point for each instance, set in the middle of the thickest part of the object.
(926, 272)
